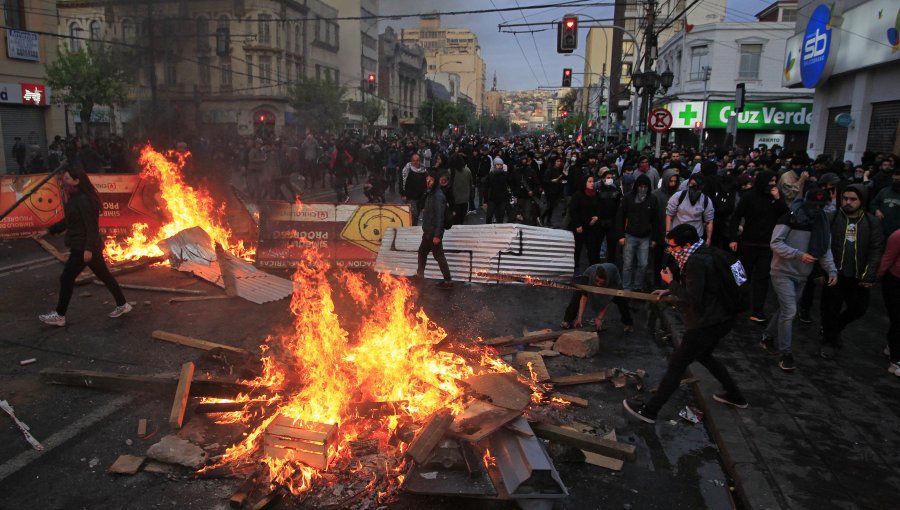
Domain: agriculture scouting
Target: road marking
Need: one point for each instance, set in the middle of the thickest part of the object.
(27, 457)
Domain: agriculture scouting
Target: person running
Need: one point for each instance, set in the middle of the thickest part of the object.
(706, 322)
(81, 224)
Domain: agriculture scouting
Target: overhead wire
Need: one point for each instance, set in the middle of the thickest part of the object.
(536, 50)
(519, 44)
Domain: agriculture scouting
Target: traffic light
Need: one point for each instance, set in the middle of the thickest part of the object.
(698, 124)
(371, 82)
(567, 77)
(567, 34)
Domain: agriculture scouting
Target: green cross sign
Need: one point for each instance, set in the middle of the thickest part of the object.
(688, 114)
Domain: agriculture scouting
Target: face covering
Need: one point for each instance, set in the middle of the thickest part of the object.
(608, 182)
(641, 194)
(693, 193)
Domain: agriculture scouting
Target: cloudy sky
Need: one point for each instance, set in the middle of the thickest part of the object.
(503, 52)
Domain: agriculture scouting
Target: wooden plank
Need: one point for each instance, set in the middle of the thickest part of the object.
(603, 461)
(196, 298)
(586, 442)
(206, 345)
(225, 407)
(52, 250)
(502, 389)
(133, 286)
(142, 427)
(268, 501)
(308, 431)
(629, 294)
(176, 417)
(572, 399)
(156, 383)
(531, 338)
(120, 268)
(570, 380)
(429, 435)
(480, 419)
(243, 491)
(126, 465)
(378, 409)
(281, 449)
(299, 445)
(537, 364)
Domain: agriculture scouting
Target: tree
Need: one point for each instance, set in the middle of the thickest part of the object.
(567, 103)
(569, 125)
(86, 78)
(443, 113)
(320, 104)
(372, 111)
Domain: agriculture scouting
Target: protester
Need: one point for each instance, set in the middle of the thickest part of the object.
(433, 212)
(584, 214)
(496, 192)
(886, 205)
(412, 186)
(638, 227)
(706, 321)
(609, 199)
(692, 207)
(461, 184)
(598, 275)
(81, 224)
(889, 274)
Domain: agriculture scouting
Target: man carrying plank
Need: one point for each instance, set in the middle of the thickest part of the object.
(598, 275)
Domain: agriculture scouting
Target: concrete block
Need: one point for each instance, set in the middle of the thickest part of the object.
(581, 344)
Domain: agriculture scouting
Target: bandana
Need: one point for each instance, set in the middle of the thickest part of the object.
(682, 256)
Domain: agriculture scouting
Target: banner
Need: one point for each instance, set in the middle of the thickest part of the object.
(127, 199)
(349, 234)
(768, 116)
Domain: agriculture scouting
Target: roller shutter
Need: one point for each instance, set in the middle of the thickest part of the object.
(25, 122)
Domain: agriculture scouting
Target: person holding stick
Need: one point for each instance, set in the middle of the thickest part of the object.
(82, 227)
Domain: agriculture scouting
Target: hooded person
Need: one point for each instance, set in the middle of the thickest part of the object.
(886, 205)
(433, 212)
(750, 232)
(639, 228)
(792, 183)
(412, 185)
(799, 240)
(496, 192)
(693, 207)
(669, 185)
(598, 275)
(584, 219)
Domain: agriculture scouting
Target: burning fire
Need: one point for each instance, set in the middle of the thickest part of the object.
(184, 207)
(319, 369)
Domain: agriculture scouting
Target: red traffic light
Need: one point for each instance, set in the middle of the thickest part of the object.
(262, 118)
(567, 72)
(371, 77)
(570, 23)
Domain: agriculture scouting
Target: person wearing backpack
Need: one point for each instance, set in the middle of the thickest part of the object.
(707, 320)
(692, 207)
(433, 224)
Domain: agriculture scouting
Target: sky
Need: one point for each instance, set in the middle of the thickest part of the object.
(503, 52)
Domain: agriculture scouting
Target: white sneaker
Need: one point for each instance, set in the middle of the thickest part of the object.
(120, 310)
(893, 368)
(53, 319)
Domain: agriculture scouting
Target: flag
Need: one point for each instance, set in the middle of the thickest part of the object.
(578, 138)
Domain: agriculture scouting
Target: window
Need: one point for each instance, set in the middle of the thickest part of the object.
(74, 37)
(202, 33)
(750, 54)
(287, 39)
(127, 31)
(225, 74)
(204, 71)
(699, 61)
(171, 76)
(224, 22)
(318, 29)
(265, 70)
(298, 39)
(249, 70)
(335, 30)
(14, 11)
(788, 15)
(264, 36)
(96, 34)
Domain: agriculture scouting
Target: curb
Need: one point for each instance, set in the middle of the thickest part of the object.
(753, 485)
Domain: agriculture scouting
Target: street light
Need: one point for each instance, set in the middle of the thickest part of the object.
(433, 76)
(648, 83)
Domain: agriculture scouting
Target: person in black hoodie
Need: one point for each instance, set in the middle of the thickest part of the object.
(82, 227)
(608, 199)
(750, 232)
(639, 228)
(433, 211)
(553, 188)
(496, 192)
(584, 212)
(706, 322)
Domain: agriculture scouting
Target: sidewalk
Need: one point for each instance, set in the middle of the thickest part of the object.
(825, 436)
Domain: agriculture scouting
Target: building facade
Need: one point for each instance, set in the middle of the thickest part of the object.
(848, 51)
(709, 62)
(450, 50)
(401, 79)
(358, 52)
(26, 109)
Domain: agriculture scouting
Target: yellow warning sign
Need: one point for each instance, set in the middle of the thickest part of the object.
(45, 202)
(367, 225)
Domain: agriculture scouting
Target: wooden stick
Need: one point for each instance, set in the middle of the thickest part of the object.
(176, 417)
(133, 286)
(572, 399)
(243, 491)
(569, 380)
(45, 244)
(586, 442)
(430, 435)
(142, 427)
(225, 407)
(629, 294)
(197, 343)
(196, 298)
(531, 339)
(155, 384)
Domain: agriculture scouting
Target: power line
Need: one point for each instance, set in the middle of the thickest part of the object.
(536, 79)
(536, 50)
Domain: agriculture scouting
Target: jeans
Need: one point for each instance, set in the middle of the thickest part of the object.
(635, 252)
(890, 289)
(427, 245)
(757, 260)
(696, 345)
(842, 304)
(788, 289)
(74, 266)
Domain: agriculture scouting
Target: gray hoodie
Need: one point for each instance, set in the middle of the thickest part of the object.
(613, 281)
(789, 242)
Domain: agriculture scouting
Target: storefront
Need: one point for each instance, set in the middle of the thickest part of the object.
(23, 107)
(785, 124)
(850, 55)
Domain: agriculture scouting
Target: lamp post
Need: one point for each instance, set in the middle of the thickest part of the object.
(648, 83)
(433, 76)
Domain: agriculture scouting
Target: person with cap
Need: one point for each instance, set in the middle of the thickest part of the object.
(857, 242)
(750, 232)
(886, 205)
(692, 207)
(706, 319)
(433, 213)
(496, 192)
(800, 239)
(598, 275)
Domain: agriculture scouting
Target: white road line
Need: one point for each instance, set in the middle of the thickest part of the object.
(27, 457)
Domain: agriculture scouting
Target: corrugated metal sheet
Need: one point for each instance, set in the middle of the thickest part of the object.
(189, 252)
(527, 471)
(473, 251)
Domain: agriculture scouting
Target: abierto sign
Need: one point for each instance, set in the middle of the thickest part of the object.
(768, 116)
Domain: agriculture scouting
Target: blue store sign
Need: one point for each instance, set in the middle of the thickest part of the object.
(817, 45)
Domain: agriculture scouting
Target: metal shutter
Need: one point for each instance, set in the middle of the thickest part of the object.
(25, 122)
(883, 128)
(835, 136)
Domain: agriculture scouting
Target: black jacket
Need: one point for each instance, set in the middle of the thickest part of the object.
(759, 212)
(582, 209)
(496, 186)
(639, 220)
(700, 292)
(433, 212)
(81, 225)
(608, 200)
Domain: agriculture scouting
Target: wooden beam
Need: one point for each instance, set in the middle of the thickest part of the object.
(378, 409)
(530, 339)
(142, 427)
(430, 435)
(197, 343)
(503, 389)
(570, 380)
(537, 364)
(243, 491)
(52, 250)
(176, 417)
(629, 294)
(585, 442)
(133, 286)
(156, 384)
(572, 399)
(196, 298)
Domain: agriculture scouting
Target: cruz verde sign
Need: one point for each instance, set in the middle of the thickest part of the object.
(768, 116)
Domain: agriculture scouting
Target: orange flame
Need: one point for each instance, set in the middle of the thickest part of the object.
(184, 207)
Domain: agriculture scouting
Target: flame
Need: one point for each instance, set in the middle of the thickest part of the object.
(321, 367)
(184, 207)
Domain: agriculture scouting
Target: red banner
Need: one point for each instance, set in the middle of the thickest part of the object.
(350, 235)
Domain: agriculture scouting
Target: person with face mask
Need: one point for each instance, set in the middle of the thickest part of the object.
(857, 242)
(800, 239)
(584, 211)
(609, 196)
(792, 183)
(82, 227)
(553, 186)
(886, 205)
(749, 233)
(496, 189)
(669, 185)
(639, 228)
(691, 206)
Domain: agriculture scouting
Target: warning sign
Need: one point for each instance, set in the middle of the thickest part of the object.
(366, 227)
(42, 209)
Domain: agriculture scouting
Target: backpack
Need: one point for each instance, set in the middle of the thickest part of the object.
(684, 194)
(735, 286)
